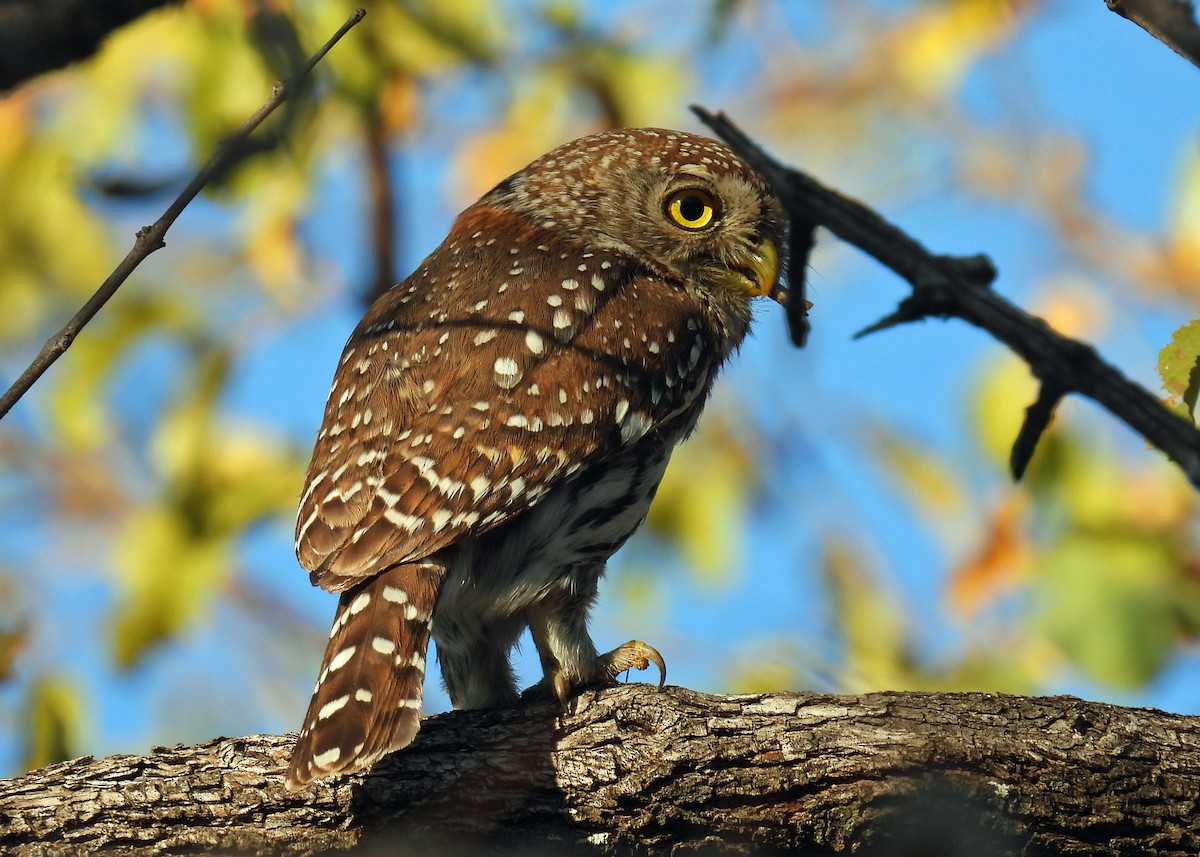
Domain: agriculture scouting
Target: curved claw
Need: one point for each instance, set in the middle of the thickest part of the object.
(635, 655)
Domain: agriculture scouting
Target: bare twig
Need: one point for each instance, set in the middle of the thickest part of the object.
(960, 287)
(1172, 22)
(383, 209)
(151, 238)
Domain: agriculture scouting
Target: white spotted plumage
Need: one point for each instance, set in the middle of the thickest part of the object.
(499, 422)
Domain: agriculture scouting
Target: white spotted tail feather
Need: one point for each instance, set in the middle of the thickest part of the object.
(367, 701)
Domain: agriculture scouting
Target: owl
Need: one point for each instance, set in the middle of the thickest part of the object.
(500, 420)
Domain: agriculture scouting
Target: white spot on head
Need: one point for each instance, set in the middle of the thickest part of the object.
(484, 336)
(534, 341)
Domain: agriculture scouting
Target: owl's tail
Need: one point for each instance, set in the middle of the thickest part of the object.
(367, 701)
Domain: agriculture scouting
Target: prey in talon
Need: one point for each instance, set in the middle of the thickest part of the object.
(500, 420)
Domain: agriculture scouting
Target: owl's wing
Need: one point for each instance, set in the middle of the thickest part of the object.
(473, 389)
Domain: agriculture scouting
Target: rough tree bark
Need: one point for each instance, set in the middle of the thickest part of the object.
(635, 770)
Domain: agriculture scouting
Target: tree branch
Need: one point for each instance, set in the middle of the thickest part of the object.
(1172, 22)
(635, 770)
(960, 287)
(383, 213)
(151, 238)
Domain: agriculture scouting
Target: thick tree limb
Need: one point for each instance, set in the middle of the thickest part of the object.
(151, 238)
(960, 287)
(635, 770)
(1172, 22)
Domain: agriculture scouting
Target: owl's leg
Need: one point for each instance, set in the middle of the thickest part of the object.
(367, 701)
(475, 662)
(569, 658)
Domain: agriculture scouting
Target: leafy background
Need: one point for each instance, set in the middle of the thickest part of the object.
(842, 520)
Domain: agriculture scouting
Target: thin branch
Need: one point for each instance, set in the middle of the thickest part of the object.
(383, 208)
(1037, 420)
(151, 238)
(1172, 22)
(960, 287)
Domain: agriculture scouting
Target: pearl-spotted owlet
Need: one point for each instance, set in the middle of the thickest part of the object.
(500, 420)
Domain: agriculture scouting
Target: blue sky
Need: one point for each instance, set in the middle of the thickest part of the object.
(1078, 67)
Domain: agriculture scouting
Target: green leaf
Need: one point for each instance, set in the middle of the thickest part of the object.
(1178, 368)
(871, 619)
(1113, 603)
(702, 502)
(168, 574)
(55, 717)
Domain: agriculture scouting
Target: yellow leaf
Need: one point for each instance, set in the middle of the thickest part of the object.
(252, 474)
(640, 84)
(536, 122)
(929, 482)
(773, 666)
(702, 501)
(1183, 227)
(55, 721)
(167, 575)
(870, 620)
(998, 405)
(936, 45)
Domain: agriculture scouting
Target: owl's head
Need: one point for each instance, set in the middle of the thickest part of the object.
(684, 205)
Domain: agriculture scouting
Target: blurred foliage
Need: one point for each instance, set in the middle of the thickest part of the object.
(139, 479)
(55, 722)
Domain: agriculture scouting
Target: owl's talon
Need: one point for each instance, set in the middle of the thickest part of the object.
(633, 655)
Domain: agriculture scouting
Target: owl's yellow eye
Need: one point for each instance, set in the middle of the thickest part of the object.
(691, 208)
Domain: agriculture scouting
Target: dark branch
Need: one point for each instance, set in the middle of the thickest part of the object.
(960, 287)
(1172, 22)
(151, 238)
(383, 208)
(37, 36)
(1037, 420)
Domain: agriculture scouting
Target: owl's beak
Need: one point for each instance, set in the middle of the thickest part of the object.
(762, 269)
